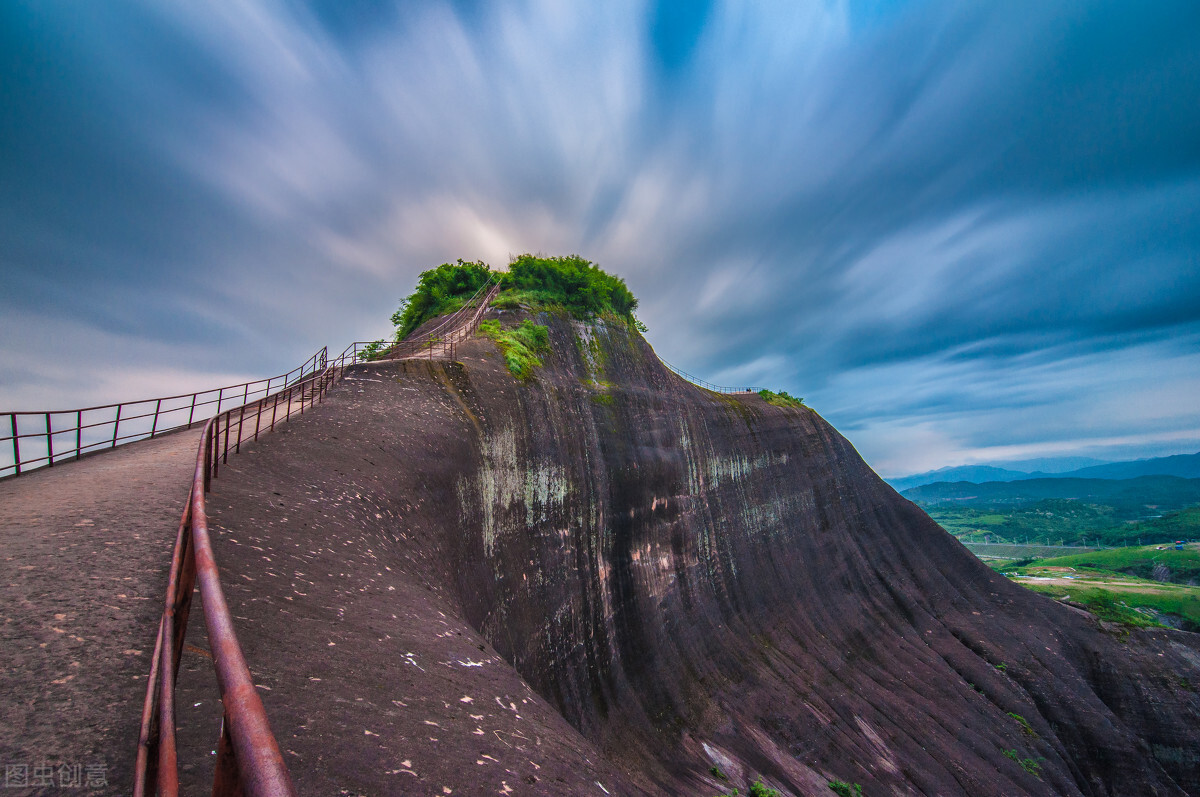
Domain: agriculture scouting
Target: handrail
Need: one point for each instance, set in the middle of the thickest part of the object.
(695, 380)
(54, 441)
(248, 757)
(428, 342)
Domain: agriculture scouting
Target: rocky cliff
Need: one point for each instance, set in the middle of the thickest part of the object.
(694, 582)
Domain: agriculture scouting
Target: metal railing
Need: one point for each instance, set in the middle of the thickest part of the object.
(248, 757)
(42, 439)
(695, 380)
(441, 341)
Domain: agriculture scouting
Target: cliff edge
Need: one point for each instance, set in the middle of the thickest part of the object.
(688, 591)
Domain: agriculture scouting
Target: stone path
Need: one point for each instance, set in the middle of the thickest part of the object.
(84, 552)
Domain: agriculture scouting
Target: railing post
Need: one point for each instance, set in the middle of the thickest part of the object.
(116, 426)
(227, 780)
(16, 444)
(258, 419)
(241, 419)
(154, 425)
(225, 451)
(210, 467)
(78, 433)
(49, 442)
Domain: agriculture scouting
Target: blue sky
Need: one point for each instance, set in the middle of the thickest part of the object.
(964, 232)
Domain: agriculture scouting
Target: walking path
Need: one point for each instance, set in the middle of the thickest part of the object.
(84, 552)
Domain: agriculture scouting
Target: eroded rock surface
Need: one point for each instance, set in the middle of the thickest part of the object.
(610, 581)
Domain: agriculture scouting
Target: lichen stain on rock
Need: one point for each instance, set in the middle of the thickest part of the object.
(505, 483)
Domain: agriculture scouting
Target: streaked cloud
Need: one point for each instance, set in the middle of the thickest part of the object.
(960, 230)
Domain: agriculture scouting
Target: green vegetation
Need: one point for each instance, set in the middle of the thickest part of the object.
(844, 789)
(1146, 562)
(579, 286)
(1002, 667)
(520, 345)
(757, 789)
(717, 773)
(439, 291)
(1031, 765)
(1025, 726)
(1053, 521)
(372, 350)
(1144, 498)
(571, 283)
(1135, 587)
(780, 399)
(1131, 602)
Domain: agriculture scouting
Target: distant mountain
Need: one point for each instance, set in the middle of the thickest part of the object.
(1185, 466)
(1050, 465)
(1164, 492)
(961, 473)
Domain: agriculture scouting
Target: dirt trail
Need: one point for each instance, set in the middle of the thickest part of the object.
(84, 552)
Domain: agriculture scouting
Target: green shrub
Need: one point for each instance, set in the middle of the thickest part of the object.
(439, 291)
(757, 789)
(844, 789)
(371, 350)
(780, 399)
(717, 773)
(571, 282)
(520, 345)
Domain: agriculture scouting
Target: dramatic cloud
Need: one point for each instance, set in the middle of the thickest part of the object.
(962, 231)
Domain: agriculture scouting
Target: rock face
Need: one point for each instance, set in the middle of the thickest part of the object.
(696, 581)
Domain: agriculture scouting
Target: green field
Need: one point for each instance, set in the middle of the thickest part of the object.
(1136, 586)
(1064, 522)
(1148, 562)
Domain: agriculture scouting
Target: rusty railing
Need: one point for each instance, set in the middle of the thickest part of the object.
(248, 757)
(42, 439)
(695, 380)
(442, 340)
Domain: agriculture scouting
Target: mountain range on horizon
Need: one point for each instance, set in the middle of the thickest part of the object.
(1186, 466)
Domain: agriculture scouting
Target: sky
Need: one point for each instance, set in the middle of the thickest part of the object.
(963, 232)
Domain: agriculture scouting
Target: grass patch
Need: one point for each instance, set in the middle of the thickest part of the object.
(1177, 566)
(780, 399)
(844, 789)
(1025, 726)
(1031, 765)
(520, 345)
(1118, 604)
(717, 773)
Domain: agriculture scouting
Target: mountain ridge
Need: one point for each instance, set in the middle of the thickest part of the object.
(1185, 466)
(691, 580)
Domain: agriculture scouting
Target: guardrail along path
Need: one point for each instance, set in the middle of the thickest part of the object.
(342, 595)
(85, 550)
